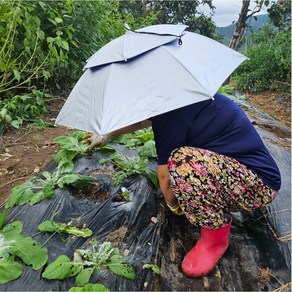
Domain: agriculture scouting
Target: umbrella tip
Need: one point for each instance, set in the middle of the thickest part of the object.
(127, 27)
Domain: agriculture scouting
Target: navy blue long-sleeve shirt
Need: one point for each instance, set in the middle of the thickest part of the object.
(219, 125)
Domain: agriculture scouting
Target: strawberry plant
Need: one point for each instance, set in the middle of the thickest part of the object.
(58, 227)
(86, 261)
(14, 246)
(128, 166)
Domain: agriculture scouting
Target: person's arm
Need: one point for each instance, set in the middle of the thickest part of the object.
(131, 128)
(97, 140)
(164, 182)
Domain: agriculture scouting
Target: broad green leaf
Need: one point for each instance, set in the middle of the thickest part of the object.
(147, 150)
(61, 268)
(26, 196)
(15, 124)
(16, 74)
(8, 119)
(107, 148)
(90, 287)
(67, 179)
(65, 165)
(64, 154)
(11, 230)
(19, 194)
(6, 247)
(31, 252)
(43, 5)
(83, 180)
(3, 112)
(2, 218)
(51, 226)
(77, 134)
(52, 21)
(41, 34)
(154, 268)
(46, 175)
(83, 232)
(48, 188)
(67, 142)
(9, 271)
(119, 266)
(48, 191)
(65, 45)
(50, 40)
(58, 20)
(84, 276)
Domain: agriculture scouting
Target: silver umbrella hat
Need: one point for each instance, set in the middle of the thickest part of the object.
(170, 76)
(135, 42)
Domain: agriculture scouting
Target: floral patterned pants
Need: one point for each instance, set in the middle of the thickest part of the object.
(208, 184)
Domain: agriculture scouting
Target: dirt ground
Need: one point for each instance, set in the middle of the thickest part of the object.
(26, 152)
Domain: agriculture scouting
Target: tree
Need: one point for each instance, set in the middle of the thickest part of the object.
(241, 24)
(174, 12)
(280, 14)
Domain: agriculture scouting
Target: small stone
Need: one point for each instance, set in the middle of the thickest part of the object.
(126, 252)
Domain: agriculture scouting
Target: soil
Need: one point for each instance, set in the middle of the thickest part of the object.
(26, 152)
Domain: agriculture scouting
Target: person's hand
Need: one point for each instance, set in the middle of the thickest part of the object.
(95, 140)
(176, 209)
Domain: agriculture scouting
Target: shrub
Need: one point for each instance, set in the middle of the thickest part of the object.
(269, 61)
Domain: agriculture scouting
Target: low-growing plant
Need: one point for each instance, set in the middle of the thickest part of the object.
(136, 138)
(71, 146)
(21, 108)
(125, 194)
(39, 124)
(13, 247)
(129, 166)
(148, 150)
(39, 188)
(90, 287)
(59, 227)
(226, 89)
(142, 140)
(86, 261)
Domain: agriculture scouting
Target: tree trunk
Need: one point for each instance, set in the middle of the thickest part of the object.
(240, 26)
(239, 30)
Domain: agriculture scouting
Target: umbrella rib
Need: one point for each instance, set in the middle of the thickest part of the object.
(186, 69)
(106, 86)
(155, 33)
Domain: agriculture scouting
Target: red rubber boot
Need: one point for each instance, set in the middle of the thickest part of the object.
(210, 247)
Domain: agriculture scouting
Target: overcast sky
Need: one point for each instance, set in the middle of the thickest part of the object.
(227, 11)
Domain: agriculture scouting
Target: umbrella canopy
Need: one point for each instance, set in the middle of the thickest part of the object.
(112, 96)
(134, 43)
